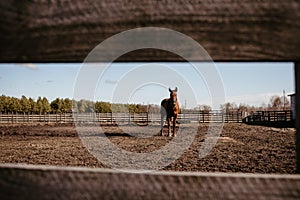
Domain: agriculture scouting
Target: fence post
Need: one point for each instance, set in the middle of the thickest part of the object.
(133, 119)
(297, 88)
(111, 118)
(222, 115)
(147, 117)
(226, 117)
(129, 118)
(285, 115)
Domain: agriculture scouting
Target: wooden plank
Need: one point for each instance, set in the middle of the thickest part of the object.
(67, 30)
(44, 182)
(297, 137)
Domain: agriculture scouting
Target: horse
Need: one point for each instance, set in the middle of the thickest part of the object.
(169, 108)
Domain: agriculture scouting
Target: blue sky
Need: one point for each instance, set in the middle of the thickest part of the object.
(249, 83)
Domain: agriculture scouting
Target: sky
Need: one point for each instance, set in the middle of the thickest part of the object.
(147, 83)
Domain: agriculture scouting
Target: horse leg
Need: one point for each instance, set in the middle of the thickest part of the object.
(169, 129)
(161, 124)
(174, 126)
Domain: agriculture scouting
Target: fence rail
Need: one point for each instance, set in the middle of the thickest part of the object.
(271, 118)
(112, 118)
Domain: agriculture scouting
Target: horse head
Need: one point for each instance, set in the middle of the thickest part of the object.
(173, 96)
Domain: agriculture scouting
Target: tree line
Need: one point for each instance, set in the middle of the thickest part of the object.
(63, 105)
(276, 103)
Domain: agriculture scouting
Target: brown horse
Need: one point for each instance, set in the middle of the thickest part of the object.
(169, 108)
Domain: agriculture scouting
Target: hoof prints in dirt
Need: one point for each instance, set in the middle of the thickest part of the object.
(241, 148)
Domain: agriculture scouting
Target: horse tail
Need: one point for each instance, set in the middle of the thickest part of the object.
(163, 107)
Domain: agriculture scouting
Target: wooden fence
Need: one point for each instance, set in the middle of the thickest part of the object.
(229, 30)
(112, 118)
(271, 118)
(259, 117)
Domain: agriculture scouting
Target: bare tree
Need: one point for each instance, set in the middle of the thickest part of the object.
(285, 103)
(205, 108)
(228, 107)
(277, 102)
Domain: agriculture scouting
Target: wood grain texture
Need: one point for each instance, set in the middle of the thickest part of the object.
(28, 182)
(297, 137)
(67, 30)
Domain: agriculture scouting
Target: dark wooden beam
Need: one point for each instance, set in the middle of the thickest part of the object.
(27, 182)
(67, 30)
(297, 88)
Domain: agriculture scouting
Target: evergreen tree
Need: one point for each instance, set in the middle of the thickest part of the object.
(86, 106)
(82, 105)
(102, 107)
(39, 105)
(56, 105)
(67, 105)
(3, 104)
(46, 105)
(74, 106)
(32, 106)
(24, 104)
(132, 108)
(90, 106)
(14, 105)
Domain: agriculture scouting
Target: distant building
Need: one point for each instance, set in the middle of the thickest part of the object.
(293, 105)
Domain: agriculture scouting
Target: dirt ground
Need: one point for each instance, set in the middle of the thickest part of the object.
(241, 148)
